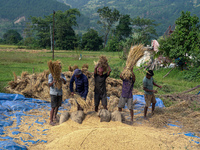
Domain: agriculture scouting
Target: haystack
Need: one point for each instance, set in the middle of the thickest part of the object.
(135, 53)
(55, 69)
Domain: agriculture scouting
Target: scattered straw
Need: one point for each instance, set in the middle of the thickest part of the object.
(15, 76)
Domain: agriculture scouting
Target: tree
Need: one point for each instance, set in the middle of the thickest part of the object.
(184, 42)
(144, 29)
(12, 37)
(91, 40)
(64, 33)
(123, 29)
(108, 18)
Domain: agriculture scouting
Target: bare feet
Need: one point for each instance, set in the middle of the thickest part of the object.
(52, 123)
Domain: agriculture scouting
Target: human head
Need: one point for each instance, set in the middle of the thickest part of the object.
(100, 71)
(77, 73)
(149, 74)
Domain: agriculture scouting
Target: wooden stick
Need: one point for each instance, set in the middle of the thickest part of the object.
(168, 72)
(198, 86)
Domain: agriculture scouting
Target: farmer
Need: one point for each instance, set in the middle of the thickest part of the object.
(56, 96)
(81, 82)
(149, 96)
(100, 86)
(127, 96)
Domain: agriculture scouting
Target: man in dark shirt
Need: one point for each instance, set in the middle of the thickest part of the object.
(81, 82)
(100, 86)
(127, 96)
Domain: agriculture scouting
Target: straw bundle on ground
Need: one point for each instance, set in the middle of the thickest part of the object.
(85, 66)
(70, 68)
(55, 69)
(75, 67)
(15, 76)
(135, 53)
(80, 101)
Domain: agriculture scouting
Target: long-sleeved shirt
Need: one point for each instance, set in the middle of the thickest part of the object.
(53, 90)
(81, 85)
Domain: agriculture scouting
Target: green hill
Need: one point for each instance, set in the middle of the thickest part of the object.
(165, 12)
(12, 9)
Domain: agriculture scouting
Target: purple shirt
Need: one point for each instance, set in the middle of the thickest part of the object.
(127, 88)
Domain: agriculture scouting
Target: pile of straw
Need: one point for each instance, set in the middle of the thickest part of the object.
(135, 53)
(55, 70)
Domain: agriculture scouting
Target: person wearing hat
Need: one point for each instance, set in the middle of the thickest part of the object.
(149, 96)
(100, 86)
(81, 82)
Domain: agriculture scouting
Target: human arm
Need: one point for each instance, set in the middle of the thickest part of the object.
(109, 70)
(63, 78)
(95, 69)
(157, 85)
(71, 84)
(85, 87)
(51, 81)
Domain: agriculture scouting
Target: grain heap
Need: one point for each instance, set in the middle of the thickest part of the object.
(135, 53)
(55, 70)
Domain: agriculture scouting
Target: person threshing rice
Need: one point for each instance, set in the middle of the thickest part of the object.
(81, 82)
(100, 86)
(149, 96)
(127, 96)
(55, 80)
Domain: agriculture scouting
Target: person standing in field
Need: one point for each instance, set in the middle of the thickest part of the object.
(149, 96)
(127, 96)
(100, 86)
(56, 96)
(81, 82)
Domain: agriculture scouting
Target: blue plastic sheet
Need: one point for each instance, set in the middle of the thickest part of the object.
(141, 102)
(14, 105)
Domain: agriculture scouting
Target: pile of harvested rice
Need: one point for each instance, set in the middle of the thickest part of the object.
(135, 53)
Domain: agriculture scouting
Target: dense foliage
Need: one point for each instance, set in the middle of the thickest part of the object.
(91, 40)
(183, 45)
(11, 37)
(165, 12)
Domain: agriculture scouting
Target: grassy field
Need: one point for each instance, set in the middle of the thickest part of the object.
(18, 61)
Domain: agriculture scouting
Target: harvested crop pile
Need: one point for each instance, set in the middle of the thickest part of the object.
(36, 85)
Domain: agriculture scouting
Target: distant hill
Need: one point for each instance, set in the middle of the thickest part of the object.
(14, 9)
(164, 12)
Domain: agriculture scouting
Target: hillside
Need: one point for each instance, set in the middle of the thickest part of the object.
(165, 12)
(12, 9)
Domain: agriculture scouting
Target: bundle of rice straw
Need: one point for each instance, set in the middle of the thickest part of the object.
(135, 53)
(55, 70)
(103, 62)
(80, 101)
(15, 76)
(85, 66)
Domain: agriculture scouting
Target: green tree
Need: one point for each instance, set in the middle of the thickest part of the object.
(91, 40)
(64, 32)
(144, 30)
(65, 37)
(108, 18)
(12, 37)
(184, 42)
(124, 29)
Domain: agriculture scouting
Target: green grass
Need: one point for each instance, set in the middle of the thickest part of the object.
(8, 46)
(17, 61)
